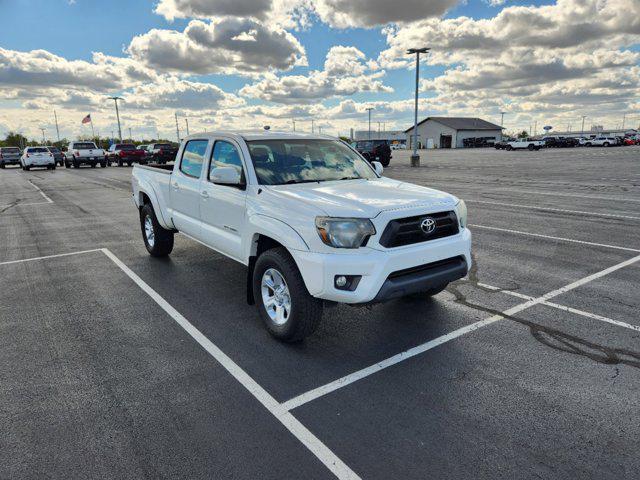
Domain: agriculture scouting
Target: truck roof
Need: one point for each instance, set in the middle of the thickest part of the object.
(250, 135)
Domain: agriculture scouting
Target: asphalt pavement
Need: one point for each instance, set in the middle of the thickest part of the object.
(114, 364)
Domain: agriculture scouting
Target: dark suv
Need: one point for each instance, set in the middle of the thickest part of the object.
(374, 151)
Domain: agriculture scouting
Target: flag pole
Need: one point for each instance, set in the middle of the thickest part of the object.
(92, 132)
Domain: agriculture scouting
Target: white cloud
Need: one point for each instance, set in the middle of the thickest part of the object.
(345, 73)
(230, 46)
(40, 68)
(370, 13)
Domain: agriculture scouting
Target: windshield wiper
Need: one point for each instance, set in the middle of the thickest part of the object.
(290, 182)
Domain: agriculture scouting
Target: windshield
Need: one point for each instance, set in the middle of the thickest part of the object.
(37, 150)
(162, 145)
(125, 147)
(53, 149)
(10, 150)
(278, 162)
(84, 146)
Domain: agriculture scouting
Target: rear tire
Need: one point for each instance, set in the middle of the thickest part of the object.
(103, 164)
(509, 147)
(158, 240)
(531, 147)
(305, 311)
(76, 164)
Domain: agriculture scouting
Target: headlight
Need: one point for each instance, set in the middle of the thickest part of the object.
(462, 213)
(344, 232)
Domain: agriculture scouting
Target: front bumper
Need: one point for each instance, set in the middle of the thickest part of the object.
(375, 266)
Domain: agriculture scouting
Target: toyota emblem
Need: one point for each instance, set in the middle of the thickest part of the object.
(428, 225)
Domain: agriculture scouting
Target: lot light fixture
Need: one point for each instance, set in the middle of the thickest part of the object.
(115, 99)
(415, 158)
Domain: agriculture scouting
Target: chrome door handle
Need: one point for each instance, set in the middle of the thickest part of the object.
(175, 185)
(204, 194)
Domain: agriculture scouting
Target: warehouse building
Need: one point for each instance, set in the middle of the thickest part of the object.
(454, 132)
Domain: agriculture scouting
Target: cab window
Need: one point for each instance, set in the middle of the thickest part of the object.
(225, 154)
(193, 157)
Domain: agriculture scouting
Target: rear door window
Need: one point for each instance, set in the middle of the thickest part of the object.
(193, 157)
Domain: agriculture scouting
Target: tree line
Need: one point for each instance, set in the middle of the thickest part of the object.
(15, 139)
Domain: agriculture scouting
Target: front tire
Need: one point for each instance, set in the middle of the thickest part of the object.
(289, 312)
(158, 240)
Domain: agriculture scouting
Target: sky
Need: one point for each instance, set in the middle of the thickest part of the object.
(238, 64)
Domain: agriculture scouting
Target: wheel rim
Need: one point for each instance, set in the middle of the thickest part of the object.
(275, 296)
(148, 231)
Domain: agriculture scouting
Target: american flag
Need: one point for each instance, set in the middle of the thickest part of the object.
(86, 119)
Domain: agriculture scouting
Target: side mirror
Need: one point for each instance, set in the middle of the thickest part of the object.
(377, 166)
(225, 176)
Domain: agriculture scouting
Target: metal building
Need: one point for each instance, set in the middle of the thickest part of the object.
(454, 132)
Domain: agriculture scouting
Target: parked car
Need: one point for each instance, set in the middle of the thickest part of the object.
(143, 149)
(601, 142)
(128, 153)
(311, 219)
(84, 153)
(374, 151)
(162, 152)
(37, 157)
(398, 146)
(560, 142)
(522, 143)
(57, 154)
(630, 141)
(9, 156)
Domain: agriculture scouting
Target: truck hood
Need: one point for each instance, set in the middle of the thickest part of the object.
(364, 198)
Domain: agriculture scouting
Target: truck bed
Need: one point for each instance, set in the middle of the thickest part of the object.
(155, 167)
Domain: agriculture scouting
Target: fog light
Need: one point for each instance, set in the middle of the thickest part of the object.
(347, 282)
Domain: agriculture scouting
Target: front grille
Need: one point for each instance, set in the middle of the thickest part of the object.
(407, 231)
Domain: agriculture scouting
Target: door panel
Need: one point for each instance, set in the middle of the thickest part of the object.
(185, 188)
(222, 207)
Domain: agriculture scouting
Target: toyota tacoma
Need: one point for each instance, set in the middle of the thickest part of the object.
(310, 218)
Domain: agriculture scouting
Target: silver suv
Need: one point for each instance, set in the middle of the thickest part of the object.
(9, 156)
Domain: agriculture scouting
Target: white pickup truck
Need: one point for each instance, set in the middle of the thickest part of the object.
(312, 220)
(522, 143)
(83, 152)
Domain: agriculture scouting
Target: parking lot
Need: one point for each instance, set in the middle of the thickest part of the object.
(119, 365)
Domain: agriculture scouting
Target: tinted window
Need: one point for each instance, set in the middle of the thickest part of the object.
(165, 145)
(126, 146)
(53, 150)
(84, 146)
(193, 157)
(225, 154)
(37, 150)
(10, 150)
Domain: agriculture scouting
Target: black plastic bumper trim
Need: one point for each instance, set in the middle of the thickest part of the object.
(422, 278)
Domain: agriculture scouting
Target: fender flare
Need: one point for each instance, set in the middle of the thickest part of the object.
(145, 188)
(283, 233)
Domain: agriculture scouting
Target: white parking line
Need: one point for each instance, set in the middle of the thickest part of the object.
(561, 239)
(365, 372)
(304, 435)
(32, 259)
(551, 209)
(48, 200)
(582, 313)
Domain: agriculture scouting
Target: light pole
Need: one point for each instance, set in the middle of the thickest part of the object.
(502, 118)
(369, 110)
(130, 134)
(177, 128)
(312, 126)
(115, 99)
(583, 117)
(43, 140)
(415, 158)
(186, 122)
(57, 129)
(294, 125)
(624, 120)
